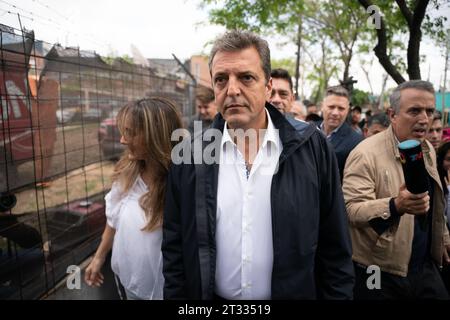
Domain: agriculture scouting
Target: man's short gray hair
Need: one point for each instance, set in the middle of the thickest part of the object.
(394, 99)
(340, 91)
(237, 40)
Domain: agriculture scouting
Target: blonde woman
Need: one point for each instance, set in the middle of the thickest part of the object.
(134, 206)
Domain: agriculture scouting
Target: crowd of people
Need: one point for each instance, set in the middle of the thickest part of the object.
(301, 204)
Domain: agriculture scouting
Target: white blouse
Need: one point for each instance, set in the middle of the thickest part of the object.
(136, 254)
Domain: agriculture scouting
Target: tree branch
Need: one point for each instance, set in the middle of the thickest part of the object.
(381, 48)
(415, 36)
(405, 11)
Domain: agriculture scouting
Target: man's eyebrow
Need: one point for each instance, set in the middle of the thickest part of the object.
(246, 72)
(220, 73)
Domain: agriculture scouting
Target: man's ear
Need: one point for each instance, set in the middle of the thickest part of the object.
(269, 89)
(391, 113)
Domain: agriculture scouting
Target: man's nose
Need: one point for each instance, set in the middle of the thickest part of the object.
(424, 118)
(275, 99)
(335, 111)
(233, 87)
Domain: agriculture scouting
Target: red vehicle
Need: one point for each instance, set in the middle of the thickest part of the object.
(15, 121)
(109, 138)
(18, 110)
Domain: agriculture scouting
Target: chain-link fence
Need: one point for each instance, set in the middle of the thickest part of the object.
(58, 143)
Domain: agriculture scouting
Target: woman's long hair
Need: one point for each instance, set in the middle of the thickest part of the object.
(151, 121)
(441, 153)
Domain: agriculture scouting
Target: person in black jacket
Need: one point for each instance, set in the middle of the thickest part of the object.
(255, 218)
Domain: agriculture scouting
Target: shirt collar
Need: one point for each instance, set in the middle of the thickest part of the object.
(332, 132)
(271, 134)
(425, 147)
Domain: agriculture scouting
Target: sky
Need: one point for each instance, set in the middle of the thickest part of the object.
(158, 29)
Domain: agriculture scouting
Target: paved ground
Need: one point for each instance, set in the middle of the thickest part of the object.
(107, 291)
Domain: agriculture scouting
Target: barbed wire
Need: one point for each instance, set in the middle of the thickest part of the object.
(51, 9)
(31, 16)
(29, 12)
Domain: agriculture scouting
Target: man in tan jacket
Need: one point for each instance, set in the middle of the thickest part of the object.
(385, 218)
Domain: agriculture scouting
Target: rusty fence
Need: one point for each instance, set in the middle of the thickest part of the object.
(58, 145)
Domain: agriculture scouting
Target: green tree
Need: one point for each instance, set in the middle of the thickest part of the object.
(285, 63)
(306, 21)
(341, 22)
(321, 68)
(359, 97)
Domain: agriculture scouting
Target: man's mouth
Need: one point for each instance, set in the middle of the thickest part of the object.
(233, 106)
(419, 132)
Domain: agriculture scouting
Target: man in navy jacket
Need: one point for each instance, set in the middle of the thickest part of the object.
(335, 108)
(309, 252)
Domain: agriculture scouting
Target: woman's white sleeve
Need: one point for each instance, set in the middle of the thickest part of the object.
(112, 205)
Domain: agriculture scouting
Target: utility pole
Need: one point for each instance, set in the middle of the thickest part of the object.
(297, 64)
(194, 81)
(447, 54)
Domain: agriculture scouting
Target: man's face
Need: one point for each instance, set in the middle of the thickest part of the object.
(434, 134)
(446, 162)
(373, 130)
(296, 111)
(281, 96)
(415, 114)
(206, 111)
(356, 116)
(312, 109)
(334, 110)
(240, 88)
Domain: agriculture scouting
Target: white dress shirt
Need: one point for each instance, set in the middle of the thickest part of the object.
(244, 219)
(136, 254)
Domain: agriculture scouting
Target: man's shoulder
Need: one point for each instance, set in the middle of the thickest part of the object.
(299, 125)
(347, 130)
(372, 146)
(308, 130)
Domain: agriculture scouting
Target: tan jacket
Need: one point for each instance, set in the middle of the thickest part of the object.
(372, 176)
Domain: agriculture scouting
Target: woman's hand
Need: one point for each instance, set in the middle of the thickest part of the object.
(93, 275)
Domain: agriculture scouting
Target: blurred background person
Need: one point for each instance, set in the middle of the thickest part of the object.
(311, 107)
(363, 122)
(282, 96)
(298, 110)
(315, 118)
(355, 119)
(206, 107)
(434, 133)
(443, 165)
(376, 124)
